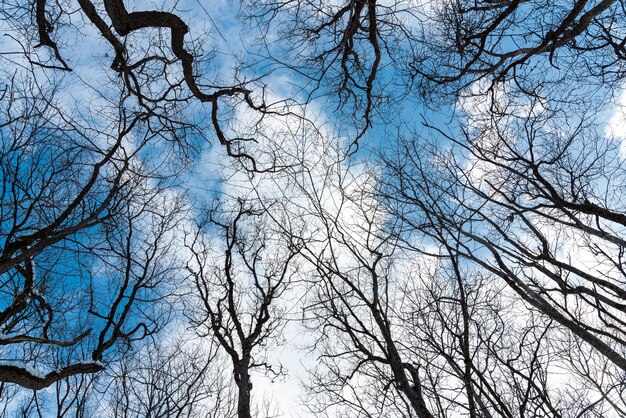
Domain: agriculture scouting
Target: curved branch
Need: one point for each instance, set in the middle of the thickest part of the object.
(26, 377)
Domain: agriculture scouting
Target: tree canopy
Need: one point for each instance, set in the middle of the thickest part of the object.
(419, 203)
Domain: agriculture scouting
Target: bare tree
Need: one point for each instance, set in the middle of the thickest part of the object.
(462, 41)
(182, 378)
(84, 232)
(407, 330)
(240, 291)
(350, 293)
(88, 211)
(159, 71)
(538, 205)
(343, 50)
(431, 47)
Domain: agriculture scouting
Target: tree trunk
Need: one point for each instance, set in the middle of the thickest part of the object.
(242, 377)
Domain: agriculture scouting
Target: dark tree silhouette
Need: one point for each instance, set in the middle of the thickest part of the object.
(84, 233)
(535, 200)
(240, 291)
